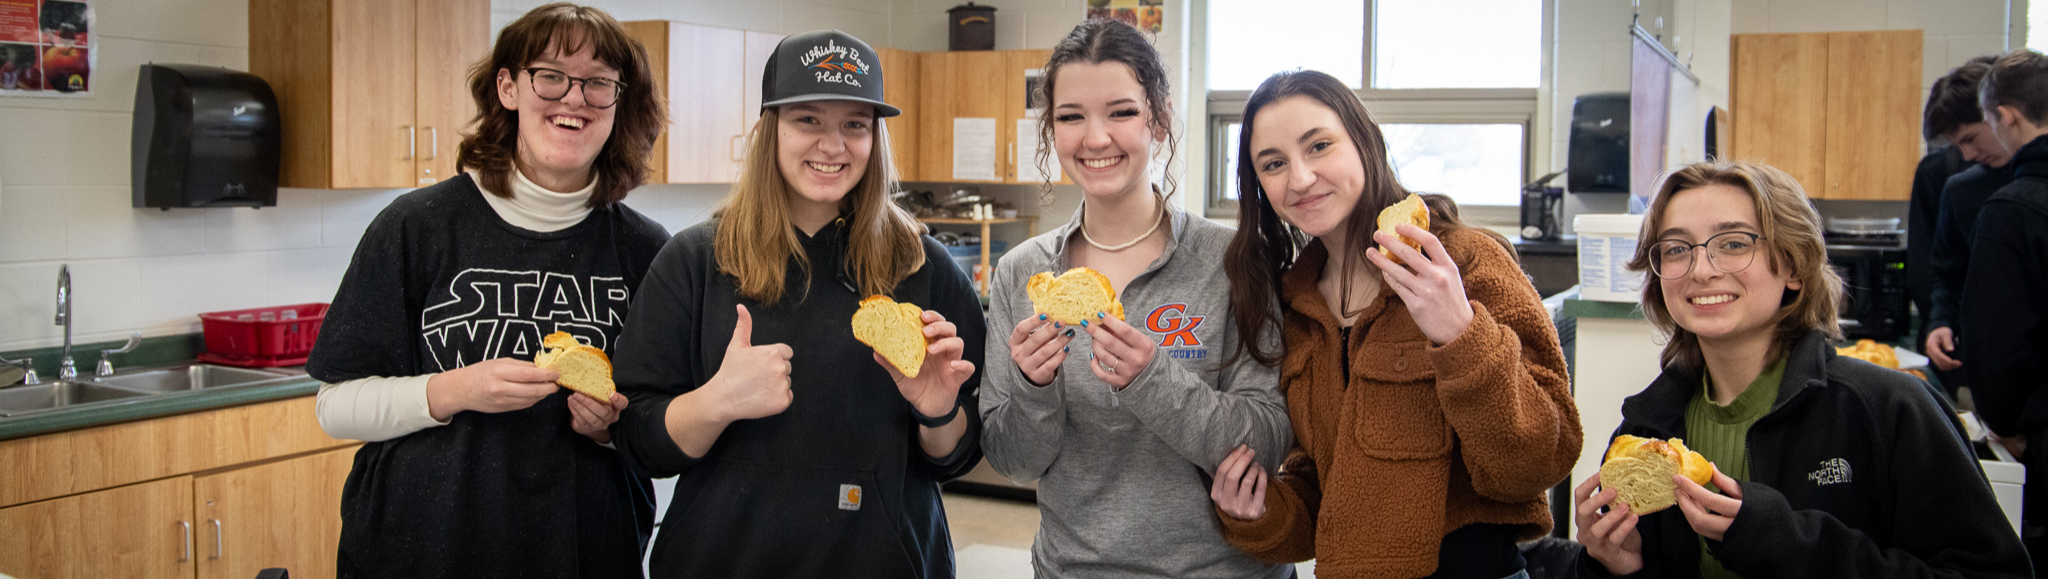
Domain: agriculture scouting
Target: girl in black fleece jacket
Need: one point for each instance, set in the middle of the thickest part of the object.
(1827, 466)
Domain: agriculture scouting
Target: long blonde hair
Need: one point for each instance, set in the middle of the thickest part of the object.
(755, 239)
(1791, 230)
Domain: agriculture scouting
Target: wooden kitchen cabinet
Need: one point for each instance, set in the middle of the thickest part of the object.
(901, 86)
(960, 85)
(281, 514)
(712, 78)
(142, 530)
(374, 92)
(1839, 111)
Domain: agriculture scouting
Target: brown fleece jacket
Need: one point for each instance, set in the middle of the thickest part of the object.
(1419, 440)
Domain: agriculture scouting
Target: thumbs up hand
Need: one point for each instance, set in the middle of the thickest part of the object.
(753, 382)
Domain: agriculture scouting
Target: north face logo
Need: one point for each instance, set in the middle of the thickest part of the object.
(1832, 471)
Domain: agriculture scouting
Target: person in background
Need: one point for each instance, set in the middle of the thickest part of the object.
(1825, 465)
(1120, 421)
(1954, 118)
(799, 451)
(477, 465)
(2003, 304)
(1428, 395)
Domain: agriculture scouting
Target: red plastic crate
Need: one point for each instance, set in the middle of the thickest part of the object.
(252, 339)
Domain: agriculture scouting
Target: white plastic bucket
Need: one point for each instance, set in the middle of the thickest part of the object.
(1606, 243)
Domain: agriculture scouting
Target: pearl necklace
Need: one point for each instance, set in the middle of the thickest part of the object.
(1141, 237)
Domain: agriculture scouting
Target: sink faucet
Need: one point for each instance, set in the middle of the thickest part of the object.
(67, 370)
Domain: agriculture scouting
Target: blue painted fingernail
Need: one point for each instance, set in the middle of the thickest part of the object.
(1041, 317)
(1057, 325)
(1070, 332)
(1084, 323)
(1101, 315)
(1066, 348)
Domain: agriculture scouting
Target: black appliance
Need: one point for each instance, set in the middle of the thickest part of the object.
(1542, 209)
(971, 27)
(1597, 160)
(1873, 268)
(204, 136)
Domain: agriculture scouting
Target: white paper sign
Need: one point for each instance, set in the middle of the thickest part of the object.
(974, 149)
(1027, 155)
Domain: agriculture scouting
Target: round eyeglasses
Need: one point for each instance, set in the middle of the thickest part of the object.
(553, 85)
(1728, 252)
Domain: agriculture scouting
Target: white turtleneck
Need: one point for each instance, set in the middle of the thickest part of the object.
(383, 408)
(533, 207)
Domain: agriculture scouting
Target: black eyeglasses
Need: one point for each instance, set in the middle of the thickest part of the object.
(553, 85)
(1728, 252)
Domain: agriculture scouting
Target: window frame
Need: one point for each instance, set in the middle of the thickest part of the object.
(1403, 106)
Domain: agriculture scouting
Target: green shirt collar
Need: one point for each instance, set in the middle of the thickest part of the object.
(1751, 404)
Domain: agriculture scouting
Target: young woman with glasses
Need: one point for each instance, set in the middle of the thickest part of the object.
(477, 465)
(1826, 466)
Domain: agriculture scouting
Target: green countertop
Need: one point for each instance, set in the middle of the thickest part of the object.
(153, 406)
(1584, 309)
(153, 352)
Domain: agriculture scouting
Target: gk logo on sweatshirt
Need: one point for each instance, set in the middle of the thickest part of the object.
(490, 313)
(1832, 471)
(1179, 330)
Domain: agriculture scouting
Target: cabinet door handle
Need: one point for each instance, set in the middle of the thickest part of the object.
(216, 539)
(433, 143)
(732, 147)
(185, 554)
(412, 142)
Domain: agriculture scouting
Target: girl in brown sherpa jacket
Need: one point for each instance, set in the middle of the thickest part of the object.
(1430, 403)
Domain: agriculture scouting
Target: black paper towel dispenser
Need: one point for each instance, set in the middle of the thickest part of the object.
(205, 136)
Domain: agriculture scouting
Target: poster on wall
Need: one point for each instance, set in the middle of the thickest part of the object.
(46, 48)
(1146, 15)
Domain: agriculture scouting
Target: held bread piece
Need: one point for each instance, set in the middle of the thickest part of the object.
(1073, 296)
(1640, 469)
(583, 368)
(1410, 211)
(896, 331)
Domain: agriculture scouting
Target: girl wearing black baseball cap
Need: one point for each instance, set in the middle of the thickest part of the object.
(799, 451)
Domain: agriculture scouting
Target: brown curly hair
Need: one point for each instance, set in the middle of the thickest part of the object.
(622, 164)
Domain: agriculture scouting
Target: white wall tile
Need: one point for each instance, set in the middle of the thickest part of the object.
(1750, 17)
(32, 223)
(106, 296)
(1045, 27)
(209, 22)
(293, 224)
(918, 32)
(304, 276)
(1828, 15)
(120, 60)
(63, 147)
(1947, 16)
(1962, 47)
(28, 298)
(805, 16)
(184, 286)
(1590, 20)
(346, 213)
(1934, 60)
(105, 225)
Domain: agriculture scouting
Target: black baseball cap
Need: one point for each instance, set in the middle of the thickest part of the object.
(824, 65)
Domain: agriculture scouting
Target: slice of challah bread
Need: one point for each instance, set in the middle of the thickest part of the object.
(1073, 296)
(896, 331)
(1640, 469)
(1411, 211)
(583, 368)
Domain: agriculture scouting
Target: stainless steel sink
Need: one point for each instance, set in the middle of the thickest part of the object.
(27, 399)
(194, 377)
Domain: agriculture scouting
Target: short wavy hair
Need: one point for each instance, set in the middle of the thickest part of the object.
(621, 165)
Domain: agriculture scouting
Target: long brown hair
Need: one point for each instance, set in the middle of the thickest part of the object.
(493, 150)
(1096, 41)
(755, 239)
(1265, 247)
(1791, 232)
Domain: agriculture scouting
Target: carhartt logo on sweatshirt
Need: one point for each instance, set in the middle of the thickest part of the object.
(1832, 471)
(849, 497)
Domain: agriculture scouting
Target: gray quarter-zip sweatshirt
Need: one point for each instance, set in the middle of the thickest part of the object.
(1123, 477)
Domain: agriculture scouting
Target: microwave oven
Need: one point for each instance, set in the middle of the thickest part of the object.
(1874, 302)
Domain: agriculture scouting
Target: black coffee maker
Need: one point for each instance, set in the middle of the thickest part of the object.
(1543, 209)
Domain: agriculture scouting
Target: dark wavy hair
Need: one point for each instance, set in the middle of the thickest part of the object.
(1096, 41)
(566, 28)
(1952, 102)
(1265, 247)
(2018, 80)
